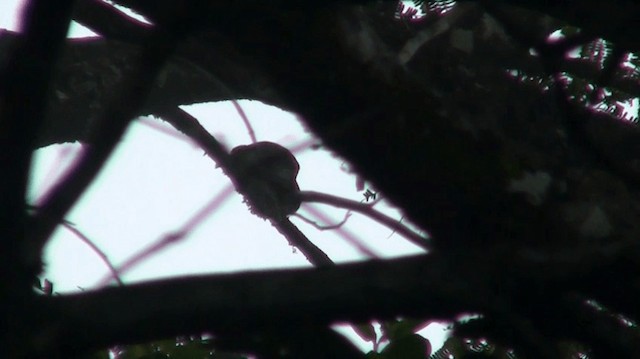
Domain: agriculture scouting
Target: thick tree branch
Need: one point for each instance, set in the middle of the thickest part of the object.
(212, 77)
(250, 301)
(25, 78)
(421, 286)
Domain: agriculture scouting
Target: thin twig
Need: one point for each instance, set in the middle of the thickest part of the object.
(327, 227)
(367, 210)
(96, 250)
(245, 119)
(171, 238)
(394, 231)
(346, 235)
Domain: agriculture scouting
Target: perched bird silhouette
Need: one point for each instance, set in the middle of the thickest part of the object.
(266, 176)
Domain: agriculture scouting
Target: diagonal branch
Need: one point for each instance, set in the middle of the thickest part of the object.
(109, 21)
(298, 240)
(110, 129)
(367, 210)
(245, 119)
(95, 249)
(168, 239)
(190, 126)
(25, 78)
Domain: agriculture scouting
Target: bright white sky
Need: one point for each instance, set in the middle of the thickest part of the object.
(155, 183)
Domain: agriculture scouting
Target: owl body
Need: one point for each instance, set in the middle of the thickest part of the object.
(266, 176)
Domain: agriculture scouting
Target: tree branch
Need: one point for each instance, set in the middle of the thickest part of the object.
(367, 210)
(25, 78)
(246, 302)
(190, 126)
(420, 286)
(447, 136)
(95, 249)
(111, 127)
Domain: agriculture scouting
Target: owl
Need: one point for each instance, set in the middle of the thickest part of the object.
(266, 175)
